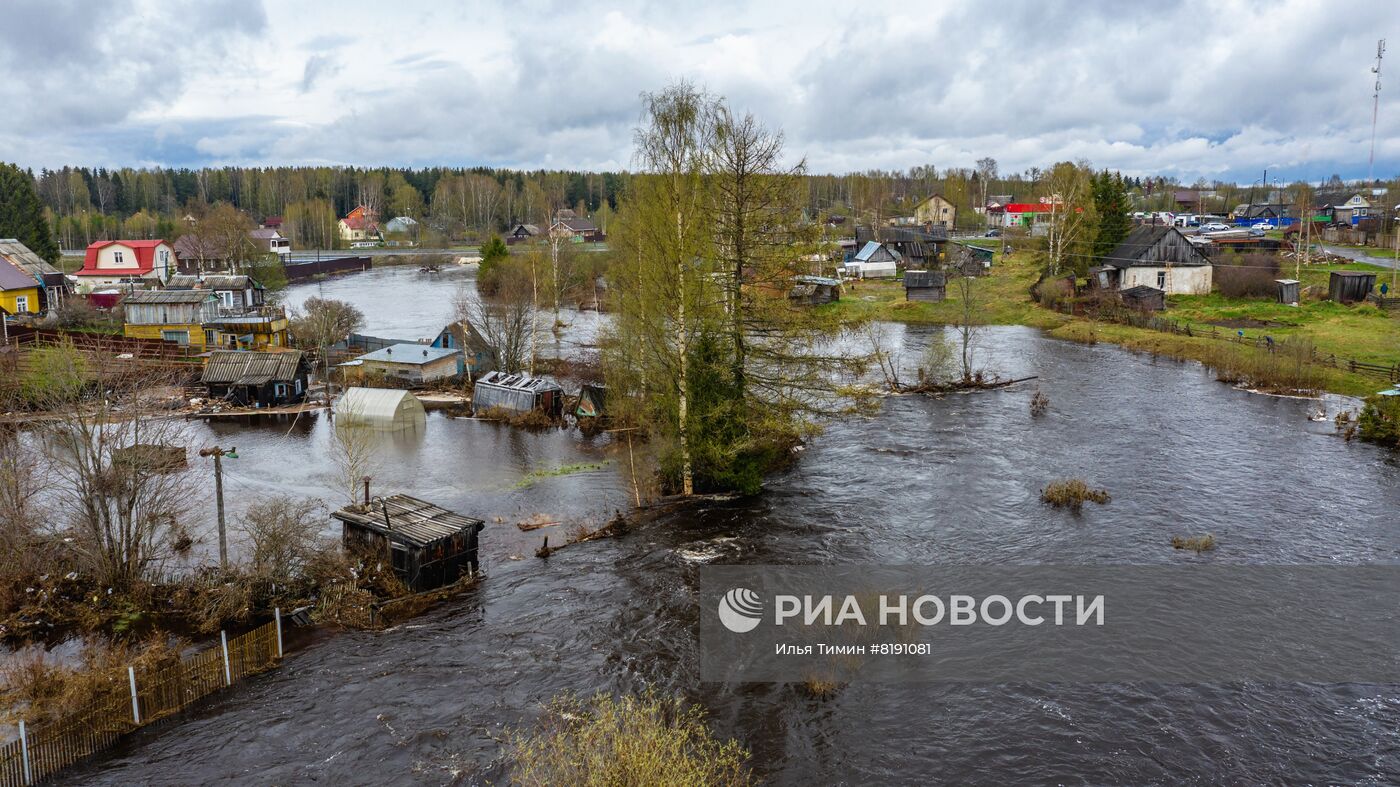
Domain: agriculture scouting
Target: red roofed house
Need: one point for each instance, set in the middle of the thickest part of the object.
(115, 262)
(1017, 214)
(359, 225)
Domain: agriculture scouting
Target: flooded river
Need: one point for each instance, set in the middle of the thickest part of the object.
(926, 481)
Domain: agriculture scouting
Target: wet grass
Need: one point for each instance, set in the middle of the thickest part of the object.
(1072, 493)
(535, 476)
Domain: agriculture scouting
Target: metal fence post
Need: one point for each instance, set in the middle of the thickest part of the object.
(278, 613)
(228, 673)
(24, 752)
(135, 706)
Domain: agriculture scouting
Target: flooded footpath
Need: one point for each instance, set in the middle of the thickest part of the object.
(926, 481)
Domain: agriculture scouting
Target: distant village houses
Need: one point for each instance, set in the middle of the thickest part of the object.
(50, 285)
(360, 225)
(114, 263)
(935, 210)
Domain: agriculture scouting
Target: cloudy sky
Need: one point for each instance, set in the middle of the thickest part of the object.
(1224, 88)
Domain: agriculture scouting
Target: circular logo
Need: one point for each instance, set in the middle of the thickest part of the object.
(740, 610)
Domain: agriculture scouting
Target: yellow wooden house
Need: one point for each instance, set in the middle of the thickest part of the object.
(173, 315)
(19, 292)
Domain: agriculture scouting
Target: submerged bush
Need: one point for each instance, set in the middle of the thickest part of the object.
(1072, 494)
(1197, 544)
(1287, 367)
(1247, 276)
(643, 739)
(1040, 403)
(1380, 420)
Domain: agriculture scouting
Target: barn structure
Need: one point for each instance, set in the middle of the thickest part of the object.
(928, 286)
(1350, 286)
(427, 546)
(517, 393)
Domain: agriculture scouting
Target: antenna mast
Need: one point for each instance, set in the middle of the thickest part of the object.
(1375, 108)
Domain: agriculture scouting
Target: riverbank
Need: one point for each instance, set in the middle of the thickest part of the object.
(1361, 332)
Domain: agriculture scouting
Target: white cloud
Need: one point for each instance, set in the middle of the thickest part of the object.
(1188, 88)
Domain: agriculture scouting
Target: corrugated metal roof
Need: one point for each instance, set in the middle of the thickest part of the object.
(21, 256)
(922, 279)
(411, 521)
(867, 250)
(243, 367)
(408, 353)
(186, 281)
(518, 382)
(169, 296)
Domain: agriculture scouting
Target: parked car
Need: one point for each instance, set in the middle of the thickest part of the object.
(993, 233)
(1262, 225)
(1256, 231)
(1215, 226)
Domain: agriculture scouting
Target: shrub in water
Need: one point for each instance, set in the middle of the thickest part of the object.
(1197, 544)
(1071, 494)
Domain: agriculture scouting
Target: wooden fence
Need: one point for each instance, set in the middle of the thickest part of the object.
(43, 750)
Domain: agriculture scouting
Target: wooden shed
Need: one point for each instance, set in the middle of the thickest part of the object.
(1350, 286)
(257, 379)
(928, 286)
(814, 290)
(592, 401)
(1287, 290)
(427, 546)
(1144, 298)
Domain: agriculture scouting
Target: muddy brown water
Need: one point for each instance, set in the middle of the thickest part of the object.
(926, 481)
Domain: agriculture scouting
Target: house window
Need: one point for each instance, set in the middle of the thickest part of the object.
(1161, 280)
(226, 299)
(22, 304)
(117, 258)
(179, 337)
(298, 385)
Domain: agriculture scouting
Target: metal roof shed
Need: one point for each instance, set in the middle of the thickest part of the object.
(386, 408)
(428, 545)
(517, 393)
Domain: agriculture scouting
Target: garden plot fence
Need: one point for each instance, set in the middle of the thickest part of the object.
(43, 750)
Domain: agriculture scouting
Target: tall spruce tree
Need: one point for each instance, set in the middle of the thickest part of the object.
(22, 214)
(1111, 204)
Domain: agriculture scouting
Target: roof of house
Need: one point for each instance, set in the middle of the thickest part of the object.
(184, 281)
(1129, 253)
(272, 221)
(521, 382)
(530, 229)
(264, 233)
(821, 281)
(1028, 207)
(360, 219)
(577, 225)
(169, 296)
(1141, 291)
(917, 280)
(417, 354)
(145, 251)
(410, 520)
(20, 256)
(869, 249)
(12, 277)
(244, 367)
(190, 247)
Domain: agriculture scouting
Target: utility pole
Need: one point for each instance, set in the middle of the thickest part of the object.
(1375, 109)
(218, 454)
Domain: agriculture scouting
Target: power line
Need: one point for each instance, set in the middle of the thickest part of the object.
(1375, 108)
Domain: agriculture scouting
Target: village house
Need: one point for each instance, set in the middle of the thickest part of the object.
(1352, 211)
(575, 229)
(426, 546)
(919, 247)
(1154, 256)
(19, 292)
(53, 285)
(248, 329)
(412, 364)
(935, 210)
(875, 260)
(234, 292)
(359, 225)
(173, 315)
(517, 393)
(272, 241)
(522, 233)
(1019, 214)
(114, 263)
(256, 379)
(461, 335)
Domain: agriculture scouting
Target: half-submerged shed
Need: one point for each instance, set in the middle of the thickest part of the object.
(592, 399)
(517, 393)
(930, 286)
(427, 545)
(258, 379)
(1350, 286)
(383, 408)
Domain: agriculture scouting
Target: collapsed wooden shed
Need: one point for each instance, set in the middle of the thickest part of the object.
(427, 546)
(592, 399)
(1144, 298)
(517, 393)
